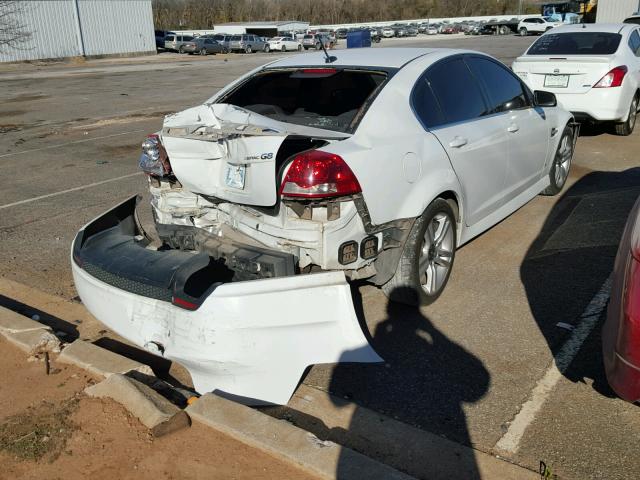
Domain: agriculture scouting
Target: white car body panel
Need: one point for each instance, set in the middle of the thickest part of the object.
(203, 140)
(584, 71)
(250, 340)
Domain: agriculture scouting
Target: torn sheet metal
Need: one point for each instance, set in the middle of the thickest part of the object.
(227, 152)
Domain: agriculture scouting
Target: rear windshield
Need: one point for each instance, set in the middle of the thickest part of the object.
(187, 38)
(576, 43)
(308, 36)
(332, 99)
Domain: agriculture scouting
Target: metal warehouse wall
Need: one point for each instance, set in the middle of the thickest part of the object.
(615, 11)
(68, 28)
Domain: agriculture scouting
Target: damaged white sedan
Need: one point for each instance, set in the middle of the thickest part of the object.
(300, 175)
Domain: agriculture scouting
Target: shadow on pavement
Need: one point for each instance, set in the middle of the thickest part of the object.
(572, 257)
(424, 382)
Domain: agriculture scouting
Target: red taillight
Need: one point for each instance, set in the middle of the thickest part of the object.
(186, 304)
(319, 71)
(613, 78)
(317, 174)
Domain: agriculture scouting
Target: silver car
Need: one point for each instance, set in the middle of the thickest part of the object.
(175, 43)
(247, 43)
(315, 41)
(203, 46)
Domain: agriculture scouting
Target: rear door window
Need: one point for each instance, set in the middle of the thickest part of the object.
(503, 87)
(425, 105)
(576, 43)
(170, 38)
(327, 98)
(456, 90)
(634, 43)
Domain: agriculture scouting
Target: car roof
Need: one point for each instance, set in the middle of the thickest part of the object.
(594, 27)
(359, 57)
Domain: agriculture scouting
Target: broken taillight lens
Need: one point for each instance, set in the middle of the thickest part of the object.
(154, 159)
(613, 78)
(318, 174)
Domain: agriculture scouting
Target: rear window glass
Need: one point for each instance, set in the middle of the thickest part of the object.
(576, 43)
(323, 98)
(187, 38)
(235, 38)
(308, 36)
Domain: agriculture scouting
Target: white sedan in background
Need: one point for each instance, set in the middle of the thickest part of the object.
(300, 175)
(593, 69)
(284, 44)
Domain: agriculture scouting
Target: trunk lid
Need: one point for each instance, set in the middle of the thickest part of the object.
(563, 74)
(228, 152)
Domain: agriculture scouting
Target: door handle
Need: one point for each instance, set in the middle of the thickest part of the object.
(458, 142)
(513, 128)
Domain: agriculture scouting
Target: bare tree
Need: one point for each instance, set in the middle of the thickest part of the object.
(13, 32)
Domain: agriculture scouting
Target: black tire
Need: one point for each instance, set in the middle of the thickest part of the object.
(203, 51)
(299, 48)
(626, 128)
(181, 49)
(523, 32)
(267, 48)
(247, 49)
(559, 171)
(284, 48)
(406, 284)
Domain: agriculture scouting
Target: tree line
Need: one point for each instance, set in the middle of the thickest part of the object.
(177, 14)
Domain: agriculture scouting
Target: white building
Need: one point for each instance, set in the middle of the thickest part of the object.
(263, 29)
(71, 28)
(615, 11)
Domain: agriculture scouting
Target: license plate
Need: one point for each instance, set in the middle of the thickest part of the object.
(559, 81)
(234, 176)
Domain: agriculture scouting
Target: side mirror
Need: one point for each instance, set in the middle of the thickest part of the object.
(544, 99)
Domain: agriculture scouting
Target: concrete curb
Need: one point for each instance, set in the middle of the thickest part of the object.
(281, 439)
(422, 453)
(26, 334)
(99, 361)
(154, 411)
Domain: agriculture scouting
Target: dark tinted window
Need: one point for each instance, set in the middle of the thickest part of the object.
(457, 91)
(634, 43)
(170, 38)
(504, 89)
(576, 43)
(332, 101)
(425, 105)
(235, 38)
(187, 38)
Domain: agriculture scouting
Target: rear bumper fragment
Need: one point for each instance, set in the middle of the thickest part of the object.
(250, 340)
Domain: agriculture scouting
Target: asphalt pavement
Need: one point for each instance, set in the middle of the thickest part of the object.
(462, 368)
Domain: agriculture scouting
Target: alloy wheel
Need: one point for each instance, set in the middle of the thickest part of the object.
(563, 159)
(436, 254)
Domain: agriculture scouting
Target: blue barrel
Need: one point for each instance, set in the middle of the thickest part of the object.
(359, 39)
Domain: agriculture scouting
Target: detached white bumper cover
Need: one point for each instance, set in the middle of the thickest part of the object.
(250, 340)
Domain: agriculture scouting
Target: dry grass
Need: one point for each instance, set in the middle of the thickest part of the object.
(40, 432)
